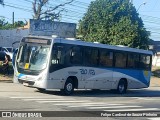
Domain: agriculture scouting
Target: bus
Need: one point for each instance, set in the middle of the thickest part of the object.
(49, 63)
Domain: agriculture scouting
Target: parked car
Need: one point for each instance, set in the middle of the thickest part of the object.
(8, 50)
(2, 56)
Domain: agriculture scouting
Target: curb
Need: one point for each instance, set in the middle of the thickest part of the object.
(6, 81)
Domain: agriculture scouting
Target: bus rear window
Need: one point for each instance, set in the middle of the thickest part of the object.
(145, 62)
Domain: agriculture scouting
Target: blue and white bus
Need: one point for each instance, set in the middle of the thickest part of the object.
(56, 63)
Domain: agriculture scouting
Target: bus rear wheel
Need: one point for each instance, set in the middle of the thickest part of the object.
(41, 89)
(122, 86)
(68, 87)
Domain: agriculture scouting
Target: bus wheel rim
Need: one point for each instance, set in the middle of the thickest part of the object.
(69, 87)
(121, 88)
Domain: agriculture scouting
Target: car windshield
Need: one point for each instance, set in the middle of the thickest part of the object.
(9, 49)
(32, 57)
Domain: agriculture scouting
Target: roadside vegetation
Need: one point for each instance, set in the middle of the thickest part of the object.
(11, 71)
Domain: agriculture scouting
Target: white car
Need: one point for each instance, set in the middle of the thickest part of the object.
(8, 50)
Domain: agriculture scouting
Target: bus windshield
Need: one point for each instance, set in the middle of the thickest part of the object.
(32, 57)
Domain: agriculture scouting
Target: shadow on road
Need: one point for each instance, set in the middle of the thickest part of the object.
(108, 93)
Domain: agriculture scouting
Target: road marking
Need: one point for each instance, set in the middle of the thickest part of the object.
(87, 103)
(113, 107)
(43, 99)
(35, 97)
(84, 105)
(55, 101)
(145, 109)
(147, 98)
(157, 118)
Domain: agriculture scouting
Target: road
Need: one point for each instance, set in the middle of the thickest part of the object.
(16, 97)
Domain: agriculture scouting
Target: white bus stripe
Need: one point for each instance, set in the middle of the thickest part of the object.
(113, 107)
(145, 109)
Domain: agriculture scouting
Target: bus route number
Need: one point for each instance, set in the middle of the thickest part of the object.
(89, 72)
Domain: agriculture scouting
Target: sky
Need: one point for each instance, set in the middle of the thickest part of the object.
(149, 12)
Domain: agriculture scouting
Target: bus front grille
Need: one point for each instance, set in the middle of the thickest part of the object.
(24, 81)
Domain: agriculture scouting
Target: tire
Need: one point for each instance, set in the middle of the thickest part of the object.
(122, 87)
(68, 87)
(95, 90)
(41, 89)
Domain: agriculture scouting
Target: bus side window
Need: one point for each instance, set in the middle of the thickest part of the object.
(106, 58)
(91, 56)
(133, 60)
(76, 55)
(58, 55)
(120, 59)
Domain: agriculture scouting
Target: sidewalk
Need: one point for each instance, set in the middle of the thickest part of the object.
(155, 81)
(6, 78)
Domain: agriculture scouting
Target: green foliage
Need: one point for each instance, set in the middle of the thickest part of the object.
(114, 22)
(1, 2)
(4, 25)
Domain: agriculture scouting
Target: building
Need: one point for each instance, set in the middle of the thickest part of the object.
(155, 47)
(37, 27)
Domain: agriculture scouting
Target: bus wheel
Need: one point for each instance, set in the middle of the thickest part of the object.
(68, 87)
(41, 89)
(122, 86)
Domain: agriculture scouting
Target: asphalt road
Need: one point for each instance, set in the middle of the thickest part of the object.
(85, 104)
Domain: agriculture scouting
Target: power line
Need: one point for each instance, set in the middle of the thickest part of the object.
(18, 8)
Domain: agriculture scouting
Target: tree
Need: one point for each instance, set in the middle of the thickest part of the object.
(50, 13)
(2, 2)
(4, 25)
(114, 22)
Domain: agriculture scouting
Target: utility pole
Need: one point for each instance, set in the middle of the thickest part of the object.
(13, 18)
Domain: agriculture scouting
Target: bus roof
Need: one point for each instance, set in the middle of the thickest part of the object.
(98, 45)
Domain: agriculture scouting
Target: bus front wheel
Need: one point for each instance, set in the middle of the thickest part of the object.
(122, 86)
(68, 87)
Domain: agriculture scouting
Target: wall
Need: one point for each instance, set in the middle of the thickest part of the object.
(38, 28)
(48, 28)
(7, 37)
(155, 48)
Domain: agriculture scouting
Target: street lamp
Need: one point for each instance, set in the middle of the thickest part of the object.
(141, 5)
